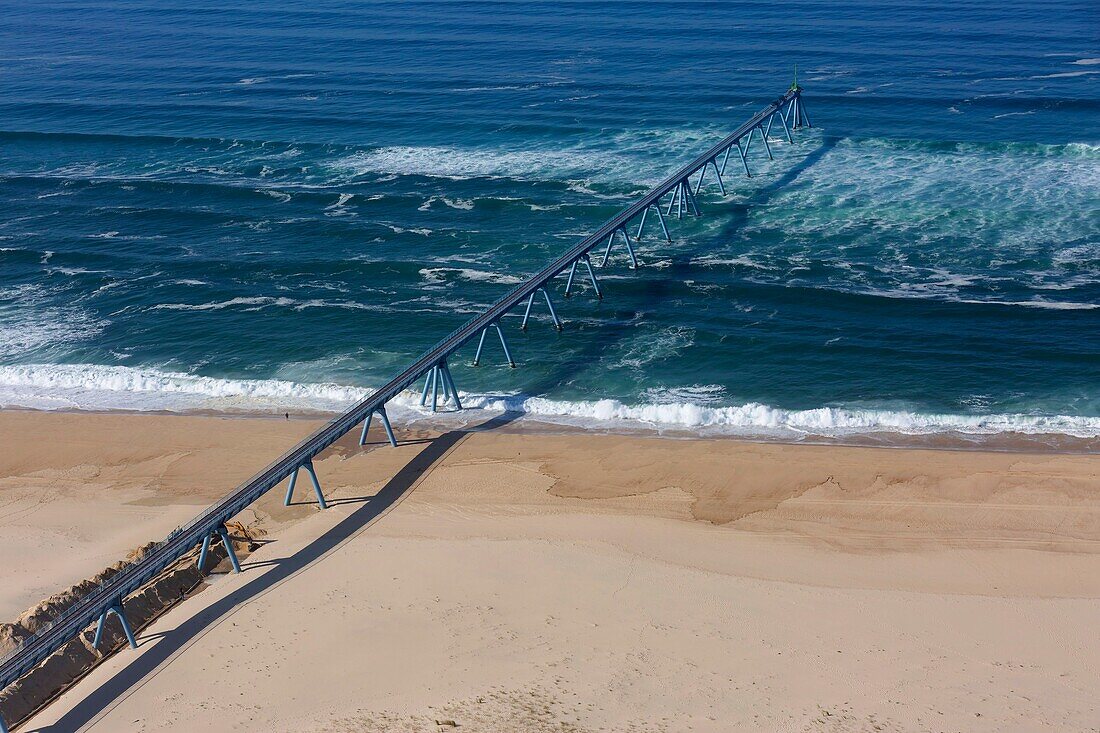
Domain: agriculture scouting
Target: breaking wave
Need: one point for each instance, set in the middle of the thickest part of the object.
(96, 387)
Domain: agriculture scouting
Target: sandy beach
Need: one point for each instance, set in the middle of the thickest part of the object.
(502, 580)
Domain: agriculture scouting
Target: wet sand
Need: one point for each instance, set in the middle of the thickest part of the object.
(511, 581)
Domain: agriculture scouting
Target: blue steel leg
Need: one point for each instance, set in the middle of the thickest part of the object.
(121, 613)
(316, 484)
(443, 383)
(290, 487)
(366, 427)
(203, 552)
(607, 250)
(725, 158)
(435, 388)
(764, 139)
(768, 131)
(592, 276)
(743, 161)
(630, 249)
(388, 428)
(553, 314)
(699, 185)
(480, 346)
(664, 226)
(641, 224)
(386, 424)
(504, 345)
(569, 282)
(802, 113)
(99, 630)
(450, 382)
(118, 611)
(785, 128)
(721, 185)
(672, 201)
(680, 200)
(527, 313)
(228, 544)
(427, 388)
(3, 725)
(691, 200)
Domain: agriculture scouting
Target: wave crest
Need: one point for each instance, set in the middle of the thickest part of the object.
(97, 387)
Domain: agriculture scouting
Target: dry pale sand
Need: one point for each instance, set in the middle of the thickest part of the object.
(517, 582)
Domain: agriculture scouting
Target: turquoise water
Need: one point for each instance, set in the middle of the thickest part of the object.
(267, 208)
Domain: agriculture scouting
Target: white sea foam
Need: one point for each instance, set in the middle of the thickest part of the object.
(755, 418)
(904, 223)
(1065, 74)
(29, 322)
(339, 207)
(631, 157)
(94, 387)
(279, 196)
(442, 274)
(89, 386)
(260, 302)
(463, 204)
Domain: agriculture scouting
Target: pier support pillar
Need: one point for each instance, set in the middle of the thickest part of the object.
(503, 344)
(660, 217)
(786, 128)
(117, 610)
(690, 197)
(308, 466)
(797, 113)
(742, 153)
(717, 174)
(223, 535)
(385, 424)
(591, 275)
(629, 246)
(764, 139)
(439, 379)
(549, 304)
(3, 725)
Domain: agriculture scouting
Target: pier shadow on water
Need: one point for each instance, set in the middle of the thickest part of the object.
(622, 321)
(142, 666)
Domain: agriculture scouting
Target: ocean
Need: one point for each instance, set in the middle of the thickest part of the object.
(267, 207)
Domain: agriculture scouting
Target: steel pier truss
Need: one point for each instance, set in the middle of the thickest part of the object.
(676, 196)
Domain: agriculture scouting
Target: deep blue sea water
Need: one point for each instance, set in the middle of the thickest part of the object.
(270, 206)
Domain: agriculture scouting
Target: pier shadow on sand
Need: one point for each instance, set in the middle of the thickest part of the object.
(170, 643)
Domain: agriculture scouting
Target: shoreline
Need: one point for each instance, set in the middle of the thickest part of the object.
(1004, 442)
